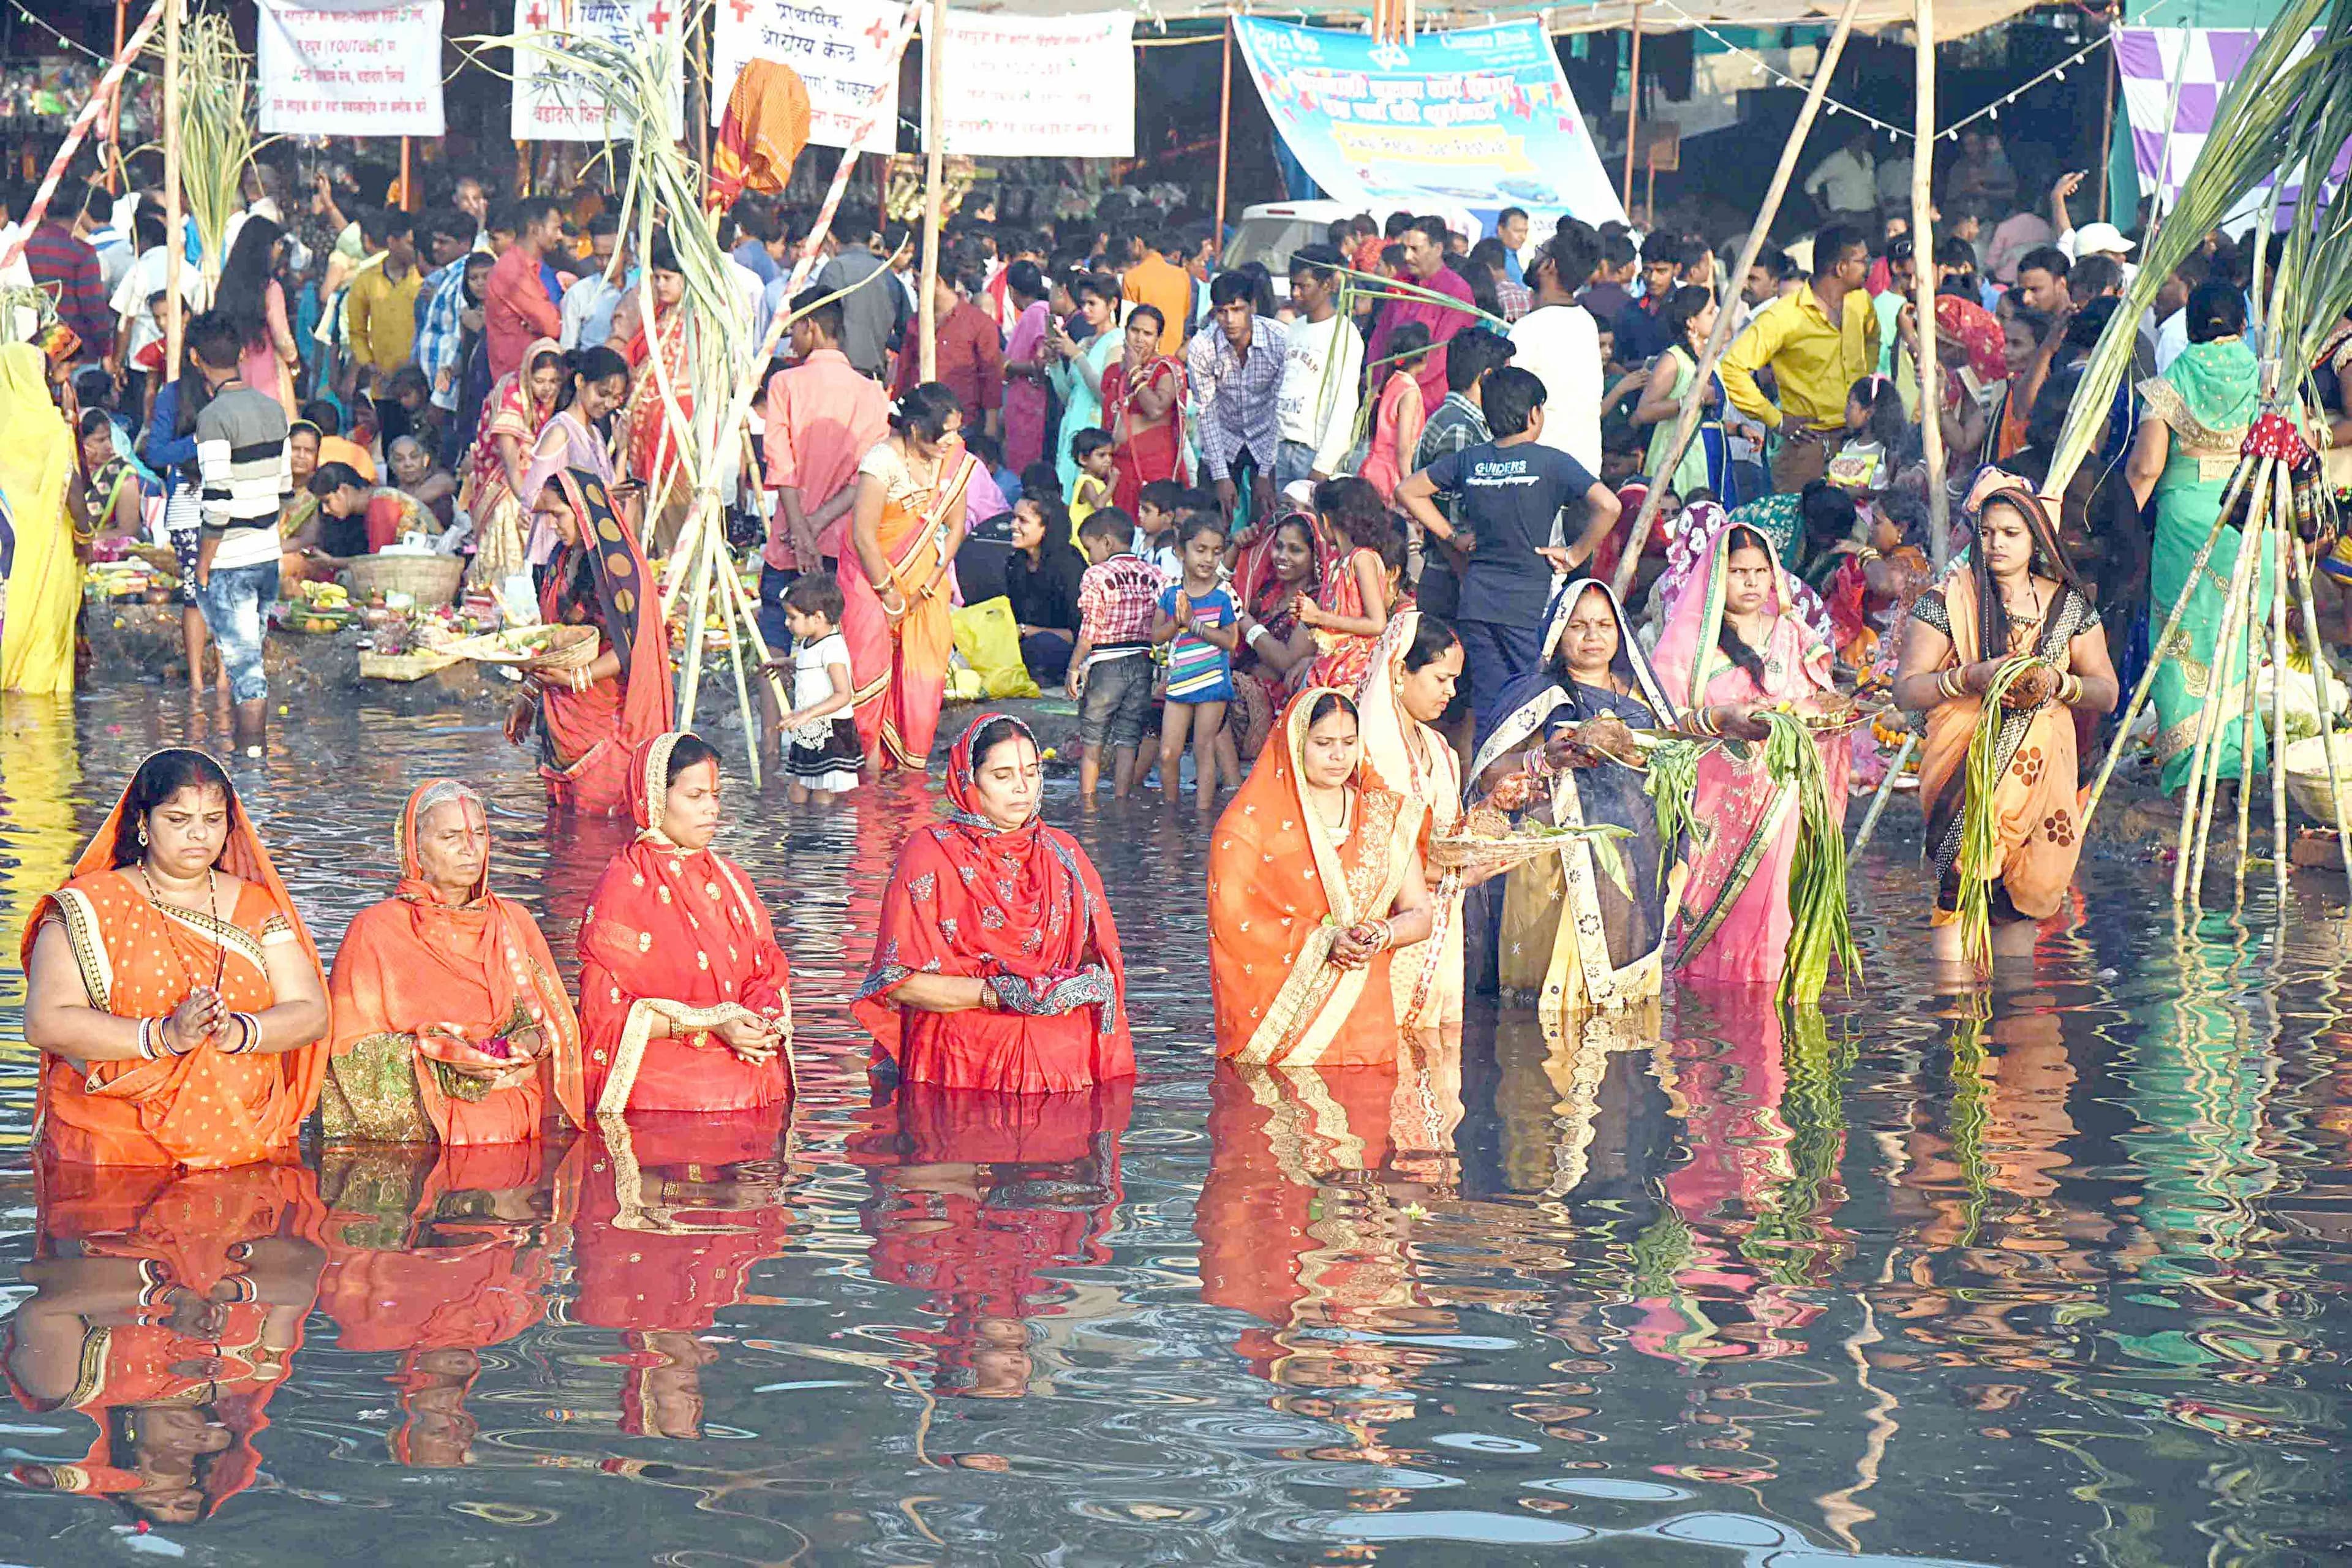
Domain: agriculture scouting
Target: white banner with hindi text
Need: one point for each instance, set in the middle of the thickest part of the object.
(841, 49)
(1040, 87)
(374, 70)
(553, 104)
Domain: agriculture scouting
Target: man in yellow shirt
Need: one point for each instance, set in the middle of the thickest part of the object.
(1817, 342)
(1153, 279)
(380, 315)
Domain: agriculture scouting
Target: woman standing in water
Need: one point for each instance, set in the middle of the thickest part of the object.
(997, 964)
(175, 996)
(684, 998)
(2018, 596)
(1574, 936)
(1412, 679)
(1315, 879)
(589, 718)
(1734, 645)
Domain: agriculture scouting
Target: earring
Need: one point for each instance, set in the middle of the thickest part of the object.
(143, 835)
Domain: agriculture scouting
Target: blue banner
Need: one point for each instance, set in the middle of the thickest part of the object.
(1476, 120)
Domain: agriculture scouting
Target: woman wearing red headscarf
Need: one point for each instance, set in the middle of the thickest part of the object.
(684, 997)
(589, 718)
(171, 987)
(997, 964)
(450, 1024)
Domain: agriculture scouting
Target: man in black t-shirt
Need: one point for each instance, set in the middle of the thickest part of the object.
(1513, 491)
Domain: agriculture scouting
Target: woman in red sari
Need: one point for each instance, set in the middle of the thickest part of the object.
(171, 987)
(513, 414)
(1315, 879)
(1141, 395)
(167, 1307)
(655, 463)
(997, 964)
(683, 991)
(590, 718)
(906, 527)
(450, 1024)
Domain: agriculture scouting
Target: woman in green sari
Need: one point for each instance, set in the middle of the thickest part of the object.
(2196, 413)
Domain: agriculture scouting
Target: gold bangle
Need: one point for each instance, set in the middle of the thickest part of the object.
(1949, 683)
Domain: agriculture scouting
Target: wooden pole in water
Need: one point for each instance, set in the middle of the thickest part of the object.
(2282, 532)
(1224, 131)
(175, 247)
(935, 31)
(1923, 263)
(1633, 106)
(114, 111)
(2319, 686)
(1720, 338)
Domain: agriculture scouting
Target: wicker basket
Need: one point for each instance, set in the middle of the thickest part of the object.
(403, 665)
(431, 580)
(533, 647)
(2305, 762)
(1467, 852)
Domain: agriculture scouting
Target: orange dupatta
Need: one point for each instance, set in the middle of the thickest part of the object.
(421, 984)
(204, 1110)
(1282, 886)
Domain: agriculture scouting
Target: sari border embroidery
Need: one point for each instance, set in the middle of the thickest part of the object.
(86, 939)
(1711, 920)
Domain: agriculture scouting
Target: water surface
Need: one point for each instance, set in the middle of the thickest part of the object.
(2056, 1276)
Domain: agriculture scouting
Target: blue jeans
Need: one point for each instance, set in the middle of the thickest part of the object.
(1293, 461)
(235, 602)
(1492, 654)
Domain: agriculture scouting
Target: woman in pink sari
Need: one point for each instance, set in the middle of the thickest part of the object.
(1735, 644)
(1026, 395)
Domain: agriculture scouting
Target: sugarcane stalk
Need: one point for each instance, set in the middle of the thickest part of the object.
(2157, 652)
(2249, 726)
(1885, 791)
(729, 614)
(2210, 719)
(690, 678)
(2280, 531)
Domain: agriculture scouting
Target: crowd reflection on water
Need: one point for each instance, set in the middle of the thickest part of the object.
(2068, 1257)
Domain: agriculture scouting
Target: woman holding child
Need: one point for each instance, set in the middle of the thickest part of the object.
(1141, 398)
(1351, 609)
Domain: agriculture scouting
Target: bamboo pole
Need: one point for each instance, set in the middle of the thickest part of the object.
(730, 615)
(1720, 338)
(2156, 654)
(407, 192)
(698, 75)
(690, 676)
(2107, 117)
(1923, 284)
(114, 109)
(175, 247)
(1634, 106)
(2249, 726)
(30, 218)
(934, 177)
(2326, 719)
(1885, 790)
(1224, 128)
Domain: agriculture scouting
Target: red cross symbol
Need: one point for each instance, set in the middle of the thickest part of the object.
(742, 10)
(658, 17)
(879, 32)
(536, 16)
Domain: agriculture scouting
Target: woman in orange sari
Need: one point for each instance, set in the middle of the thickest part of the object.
(167, 1307)
(513, 414)
(666, 1031)
(1141, 398)
(450, 1024)
(171, 987)
(905, 529)
(590, 718)
(1314, 880)
(997, 964)
(2018, 597)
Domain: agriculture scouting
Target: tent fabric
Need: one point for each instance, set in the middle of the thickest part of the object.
(1954, 18)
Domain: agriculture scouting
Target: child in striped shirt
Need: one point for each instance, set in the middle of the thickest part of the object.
(1196, 621)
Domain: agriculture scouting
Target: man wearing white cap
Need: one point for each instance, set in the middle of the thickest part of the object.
(2092, 238)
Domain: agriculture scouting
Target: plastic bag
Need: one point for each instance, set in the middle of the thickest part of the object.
(988, 637)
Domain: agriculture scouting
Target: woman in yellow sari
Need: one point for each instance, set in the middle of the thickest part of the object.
(1315, 879)
(906, 527)
(43, 585)
(1414, 667)
(2018, 595)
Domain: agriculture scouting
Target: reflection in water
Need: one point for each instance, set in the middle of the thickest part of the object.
(2070, 1255)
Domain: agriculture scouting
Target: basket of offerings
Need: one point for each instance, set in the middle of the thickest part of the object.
(1485, 838)
(533, 647)
(428, 579)
(2306, 762)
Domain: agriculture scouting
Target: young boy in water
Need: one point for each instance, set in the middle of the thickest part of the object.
(1110, 667)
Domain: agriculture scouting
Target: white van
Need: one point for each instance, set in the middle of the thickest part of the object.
(1270, 231)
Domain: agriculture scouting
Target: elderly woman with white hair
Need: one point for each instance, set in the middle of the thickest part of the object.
(450, 1025)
